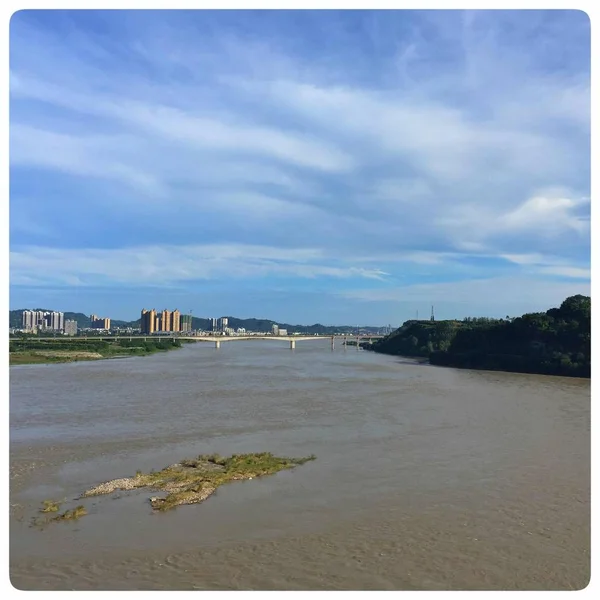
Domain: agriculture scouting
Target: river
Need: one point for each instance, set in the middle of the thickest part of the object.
(426, 477)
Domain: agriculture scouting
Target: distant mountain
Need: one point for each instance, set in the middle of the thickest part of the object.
(265, 325)
(259, 325)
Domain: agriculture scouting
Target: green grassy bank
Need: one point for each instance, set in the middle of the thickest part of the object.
(61, 350)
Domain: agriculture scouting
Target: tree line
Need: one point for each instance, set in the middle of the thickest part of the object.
(555, 342)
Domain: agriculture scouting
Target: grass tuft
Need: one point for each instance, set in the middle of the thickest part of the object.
(69, 515)
(50, 506)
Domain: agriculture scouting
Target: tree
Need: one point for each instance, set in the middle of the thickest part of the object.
(576, 307)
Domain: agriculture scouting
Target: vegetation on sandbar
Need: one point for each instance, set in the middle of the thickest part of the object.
(50, 506)
(193, 480)
(60, 350)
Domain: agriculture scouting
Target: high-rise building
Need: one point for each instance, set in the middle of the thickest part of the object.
(70, 327)
(29, 319)
(166, 320)
(223, 324)
(186, 322)
(39, 322)
(214, 324)
(275, 329)
(176, 321)
(148, 321)
(99, 322)
(57, 321)
(34, 320)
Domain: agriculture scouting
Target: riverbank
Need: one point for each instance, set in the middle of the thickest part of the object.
(492, 362)
(511, 363)
(27, 352)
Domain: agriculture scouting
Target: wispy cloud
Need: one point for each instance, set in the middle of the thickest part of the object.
(492, 295)
(571, 272)
(543, 216)
(165, 265)
(549, 213)
(87, 156)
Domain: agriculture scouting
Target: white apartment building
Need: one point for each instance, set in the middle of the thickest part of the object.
(39, 320)
(70, 327)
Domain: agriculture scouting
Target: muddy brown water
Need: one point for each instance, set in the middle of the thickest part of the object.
(425, 478)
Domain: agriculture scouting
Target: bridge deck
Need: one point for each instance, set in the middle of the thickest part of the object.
(214, 338)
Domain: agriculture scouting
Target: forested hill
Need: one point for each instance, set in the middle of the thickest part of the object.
(555, 342)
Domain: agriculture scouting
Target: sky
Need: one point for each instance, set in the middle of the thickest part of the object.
(342, 167)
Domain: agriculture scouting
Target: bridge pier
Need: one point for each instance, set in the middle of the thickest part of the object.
(292, 344)
(217, 343)
(332, 343)
(357, 344)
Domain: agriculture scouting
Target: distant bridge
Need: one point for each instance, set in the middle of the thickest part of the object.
(292, 339)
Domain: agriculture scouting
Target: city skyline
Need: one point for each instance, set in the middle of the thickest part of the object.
(154, 317)
(335, 167)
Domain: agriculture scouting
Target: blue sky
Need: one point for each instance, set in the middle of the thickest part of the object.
(332, 166)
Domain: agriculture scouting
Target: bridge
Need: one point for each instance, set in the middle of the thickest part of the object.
(292, 339)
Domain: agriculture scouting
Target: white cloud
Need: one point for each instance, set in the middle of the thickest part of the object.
(543, 215)
(538, 264)
(255, 207)
(440, 141)
(491, 292)
(525, 259)
(550, 214)
(573, 272)
(163, 265)
(194, 129)
(93, 155)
